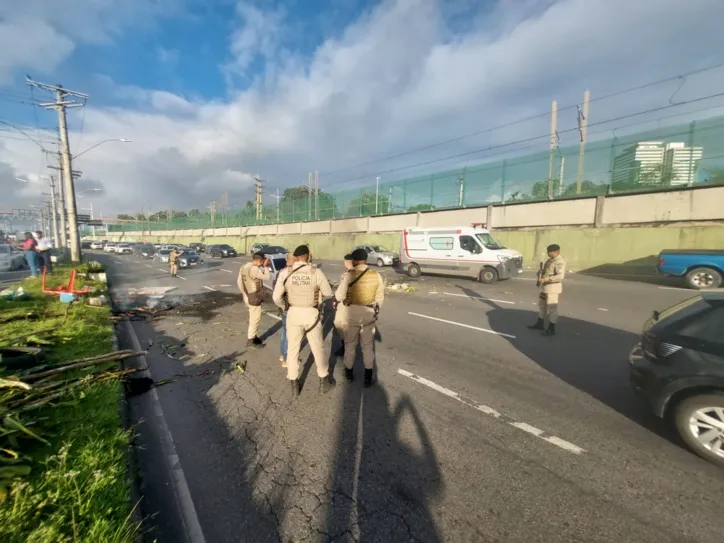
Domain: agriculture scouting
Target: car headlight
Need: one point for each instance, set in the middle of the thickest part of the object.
(503, 258)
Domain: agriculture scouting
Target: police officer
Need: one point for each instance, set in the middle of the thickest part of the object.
(362, 291)
(300, 288)
(173, 261)
(551, 286)
(340, 313)
(252, 290)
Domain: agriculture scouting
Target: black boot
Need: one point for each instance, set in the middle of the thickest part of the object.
(551, 331)
(349, 374)
(326, 384)
(296, 389)
(368, 378)
(538, 325)
(258, 343)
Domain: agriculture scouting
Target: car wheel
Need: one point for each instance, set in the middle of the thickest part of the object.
(699, 278)
(700, 423)
(380, 263)
(488, 276)
(413, 270)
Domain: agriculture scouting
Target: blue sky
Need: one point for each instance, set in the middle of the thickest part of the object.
(214, 92)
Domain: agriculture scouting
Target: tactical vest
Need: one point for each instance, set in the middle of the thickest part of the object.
(363, 292)
(301, 285)
(252, 285)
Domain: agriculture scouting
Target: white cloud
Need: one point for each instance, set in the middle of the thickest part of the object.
(396, 79)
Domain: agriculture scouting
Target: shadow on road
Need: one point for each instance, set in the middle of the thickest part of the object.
(590, 357)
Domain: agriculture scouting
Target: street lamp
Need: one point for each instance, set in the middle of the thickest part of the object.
(122, 140)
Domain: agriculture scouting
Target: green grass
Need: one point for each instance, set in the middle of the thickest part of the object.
(78, 489)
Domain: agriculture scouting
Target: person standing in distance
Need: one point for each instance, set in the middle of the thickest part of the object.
(340, 313)
(362, 291)
(43, 247)
(173, 261)
(31, 256)
(551, 287)
(298, 290)
(252, 290)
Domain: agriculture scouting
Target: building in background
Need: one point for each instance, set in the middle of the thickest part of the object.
(655, 163)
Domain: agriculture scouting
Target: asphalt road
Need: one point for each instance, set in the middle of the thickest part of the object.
(478, 429)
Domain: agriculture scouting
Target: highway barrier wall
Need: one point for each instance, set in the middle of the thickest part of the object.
(615, 234)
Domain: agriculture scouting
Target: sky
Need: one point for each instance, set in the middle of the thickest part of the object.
(212, 93)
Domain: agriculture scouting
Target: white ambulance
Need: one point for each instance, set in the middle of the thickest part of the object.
(458, 250)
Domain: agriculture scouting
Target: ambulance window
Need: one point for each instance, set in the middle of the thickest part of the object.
(469, 244)
(441, 244)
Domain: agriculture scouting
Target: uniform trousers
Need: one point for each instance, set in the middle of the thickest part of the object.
(359, 328)
(301, 320)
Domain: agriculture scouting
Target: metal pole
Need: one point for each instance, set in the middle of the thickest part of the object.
(54, 209)
(560, 176)
(377, 194)
(582, 149)
(70, 205)
(277, 205)
(61, 210)
(554, 144)
(316, 194)
(389, 201)
(93, 226)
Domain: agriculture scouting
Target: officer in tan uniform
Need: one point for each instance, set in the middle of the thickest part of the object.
(362, 291)
(300, 288)
(252, 290)
(173, 261)
(340, 310)
(550, 281)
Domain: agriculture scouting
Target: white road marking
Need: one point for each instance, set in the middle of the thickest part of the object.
(182, 278)
(461, 324)
(479, 298)
(210, 288)
(527, 278)
(602, 309)
(674, 288)
(148, 265)
(553, 440)
(227, 271)
(273, 316)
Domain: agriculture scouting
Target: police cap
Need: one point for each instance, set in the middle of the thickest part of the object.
(359, 254)
(302, 250)
(553, 248)
(348, 257)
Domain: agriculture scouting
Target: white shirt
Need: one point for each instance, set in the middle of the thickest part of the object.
(44, 244)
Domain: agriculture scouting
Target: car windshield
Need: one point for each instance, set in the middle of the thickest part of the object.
(379, 249)
(147, 248)
(189, 253)
(227, 247)
(164, 252)
(279, 263)
(489, 242)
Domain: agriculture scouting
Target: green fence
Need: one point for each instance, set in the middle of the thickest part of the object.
(664, 159)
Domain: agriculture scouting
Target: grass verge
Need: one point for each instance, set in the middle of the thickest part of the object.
(78, 487)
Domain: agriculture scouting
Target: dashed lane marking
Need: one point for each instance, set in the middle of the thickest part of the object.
(486, 330)
(182, 278)
(273, 316)
(673, 288)
(479, 298)
(602, 309)
(553, 440)
(148, 265)
(227, 271)
(210, 288)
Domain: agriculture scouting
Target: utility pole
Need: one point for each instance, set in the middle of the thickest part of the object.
(309, 195)
(583, 129)
(278, 199)
(54, 210)
(316, 194)
(560, 176)
(389, 201)
(554, 144)
(259, 199)
(377, 194)
(64, 100)
(212, 207)
(61, 204)
(460, 181)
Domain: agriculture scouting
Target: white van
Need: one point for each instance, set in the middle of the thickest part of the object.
(458, 250)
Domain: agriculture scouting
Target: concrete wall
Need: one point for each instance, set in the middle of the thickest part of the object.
(617, 234)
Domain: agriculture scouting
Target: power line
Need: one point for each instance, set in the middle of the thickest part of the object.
(533, 117)
(526, 140)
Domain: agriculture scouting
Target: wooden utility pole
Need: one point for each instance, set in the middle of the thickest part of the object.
(554, 145)
(583, 129)
(259, 184)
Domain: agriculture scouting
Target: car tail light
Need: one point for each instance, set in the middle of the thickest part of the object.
(661, 261)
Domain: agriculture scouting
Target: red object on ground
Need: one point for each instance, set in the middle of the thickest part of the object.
(70, 289)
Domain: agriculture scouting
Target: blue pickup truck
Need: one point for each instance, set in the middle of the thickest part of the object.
(700, 268)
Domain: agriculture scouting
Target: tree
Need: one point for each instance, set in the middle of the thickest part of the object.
(140, 217)
(420, 207)
(365, 205)
(540, 189)
(194, 213)
(124, 217)
(588, 188)
(294, 195)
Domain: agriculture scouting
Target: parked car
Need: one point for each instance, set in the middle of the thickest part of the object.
(256, 247)
(189, 258)
(274, 250)
(678, 367)
(124, 249)
(95, 245)
(277, 262)
(699, 268)
(143, 251)
(197, 247)
(458, 250)
(11, 258)
(109, 247)
(161, 255)
(221, 251)
(85, 244)
(378, 255)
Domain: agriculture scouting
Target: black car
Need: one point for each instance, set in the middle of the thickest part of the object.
(274, 250)
(198, 247)
(143, 251)
(221, 251)
(85, 244)
(679, 369)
